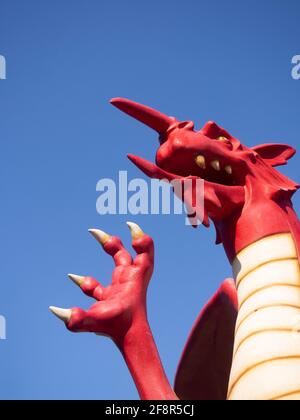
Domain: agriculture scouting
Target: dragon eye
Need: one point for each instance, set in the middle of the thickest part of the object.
(222, 138)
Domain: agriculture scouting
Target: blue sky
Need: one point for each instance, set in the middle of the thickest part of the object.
(198, 59)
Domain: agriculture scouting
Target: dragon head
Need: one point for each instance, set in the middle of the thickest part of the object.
(234, 175)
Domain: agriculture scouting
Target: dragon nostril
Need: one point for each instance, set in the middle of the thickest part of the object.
(163, 138)
(182, 125)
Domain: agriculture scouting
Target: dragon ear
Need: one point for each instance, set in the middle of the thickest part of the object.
(275, 154)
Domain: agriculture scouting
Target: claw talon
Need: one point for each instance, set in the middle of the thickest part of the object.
(62, 314)
(100, 236)
(135, 230)
(78, 280)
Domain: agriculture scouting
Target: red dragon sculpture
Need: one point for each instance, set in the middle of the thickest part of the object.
(246, 341)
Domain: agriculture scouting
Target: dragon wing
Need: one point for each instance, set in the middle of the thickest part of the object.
(204, 369)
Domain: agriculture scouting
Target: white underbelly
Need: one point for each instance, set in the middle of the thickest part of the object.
(266, 362)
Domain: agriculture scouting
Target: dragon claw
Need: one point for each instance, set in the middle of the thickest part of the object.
(135, 230)
(100, 236)
(62, 314)
(78, 280)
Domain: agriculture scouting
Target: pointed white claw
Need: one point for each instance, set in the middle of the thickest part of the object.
(228, 169)
(78, 280)
(200, 161)
(216, 165)
(62, 314)
(100, 236)
(135, 230)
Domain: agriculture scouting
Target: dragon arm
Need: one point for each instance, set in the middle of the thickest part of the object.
(142, 358)
(121, 312)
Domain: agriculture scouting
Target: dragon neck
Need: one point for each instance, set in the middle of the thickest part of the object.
(267, 210)
(262, 242)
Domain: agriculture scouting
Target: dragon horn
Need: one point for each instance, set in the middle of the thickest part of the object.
(149, 116)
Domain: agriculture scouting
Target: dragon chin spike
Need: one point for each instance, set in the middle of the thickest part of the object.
(148, 116)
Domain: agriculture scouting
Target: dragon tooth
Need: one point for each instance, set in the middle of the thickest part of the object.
(228, 169)
(216, 165)
(200, 161)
